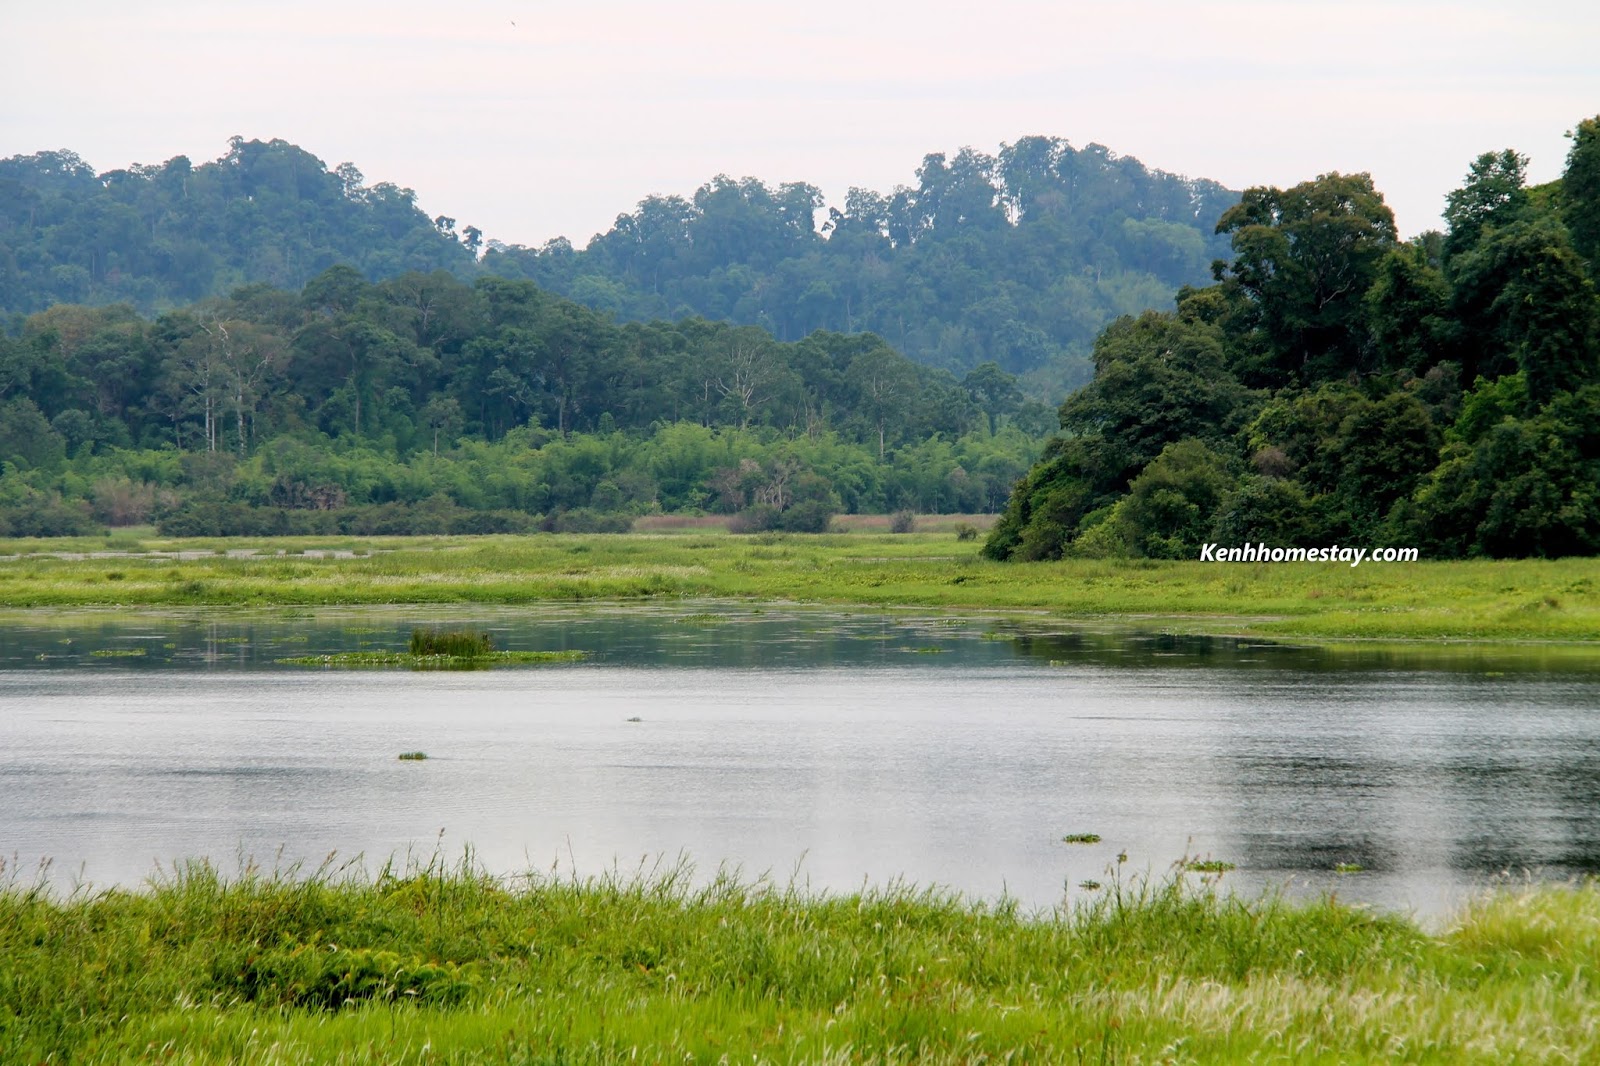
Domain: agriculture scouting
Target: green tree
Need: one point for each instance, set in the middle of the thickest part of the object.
(1304, 258)
(1580, 191)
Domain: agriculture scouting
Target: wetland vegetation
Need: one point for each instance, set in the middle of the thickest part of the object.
(1548, 601)
(437, 964)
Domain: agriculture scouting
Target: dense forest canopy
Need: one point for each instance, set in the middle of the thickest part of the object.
(1019, 258)
(424, 403)
(159, 236)
(1337, 384)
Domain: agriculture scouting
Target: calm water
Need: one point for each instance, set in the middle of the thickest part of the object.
(829, 748)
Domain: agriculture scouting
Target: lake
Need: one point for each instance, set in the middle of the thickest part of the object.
(826, 748)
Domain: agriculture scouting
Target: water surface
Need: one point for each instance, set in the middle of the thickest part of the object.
(835, 749)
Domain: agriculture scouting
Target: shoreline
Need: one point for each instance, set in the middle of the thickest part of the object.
(1530, 603)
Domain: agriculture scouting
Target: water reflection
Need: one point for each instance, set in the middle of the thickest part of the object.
(860, 746)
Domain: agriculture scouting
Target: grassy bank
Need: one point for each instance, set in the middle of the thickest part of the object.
(448, 966)
(1535, 600)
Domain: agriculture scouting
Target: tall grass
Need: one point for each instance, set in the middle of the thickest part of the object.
(446, 964)
(455, 643)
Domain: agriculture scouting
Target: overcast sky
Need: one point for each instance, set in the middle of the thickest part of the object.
(533, 119)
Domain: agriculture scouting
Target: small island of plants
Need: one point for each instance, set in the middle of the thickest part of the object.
(439, 650)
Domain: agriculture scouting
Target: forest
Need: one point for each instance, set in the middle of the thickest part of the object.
(264, 345)
(424, 404)
(1017, 258)
(1337, 384)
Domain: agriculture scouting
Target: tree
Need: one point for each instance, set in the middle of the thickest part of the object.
(1304, 259)
(1159, 379)
(1492, 196)
(1533, 307)
(1580, 192)
(993, 390)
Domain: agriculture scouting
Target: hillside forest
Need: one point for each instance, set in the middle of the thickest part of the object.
(1017, 258)
(337, 362)
(1335, 384)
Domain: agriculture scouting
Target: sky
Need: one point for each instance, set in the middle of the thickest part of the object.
(533, 119)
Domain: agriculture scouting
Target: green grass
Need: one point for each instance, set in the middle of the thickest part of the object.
(449, 966)
(1511, 600)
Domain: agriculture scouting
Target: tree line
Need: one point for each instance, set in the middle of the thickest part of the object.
(425, 403)
(1337, 384)
(1017, 258)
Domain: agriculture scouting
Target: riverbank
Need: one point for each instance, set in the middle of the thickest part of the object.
(1502, 600)
(1511, 601)
(447, 965)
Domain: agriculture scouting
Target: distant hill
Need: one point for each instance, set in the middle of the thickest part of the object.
(1019, 258)
(160, 236)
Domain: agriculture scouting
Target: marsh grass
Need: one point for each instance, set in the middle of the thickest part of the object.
(1504, 600)
(437, 963)
(454, 643)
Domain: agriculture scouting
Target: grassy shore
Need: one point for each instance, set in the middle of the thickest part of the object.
(1524, 600)
(448, 966)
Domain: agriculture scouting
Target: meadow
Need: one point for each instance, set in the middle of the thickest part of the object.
(439, 964)
(1546, 601)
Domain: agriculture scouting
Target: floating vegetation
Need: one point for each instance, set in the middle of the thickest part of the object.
(1081, 838)
(927, 651)
(635, 718)
(117, 653)
(413, 756)
(705, 618)
(1348, 868)
(454, 643)
(365, 659)
(1208, 866)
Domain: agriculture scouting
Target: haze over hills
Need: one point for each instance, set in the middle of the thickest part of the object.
(1019, 258)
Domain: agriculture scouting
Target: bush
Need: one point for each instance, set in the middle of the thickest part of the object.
(757, 519)
(902, 522)
(584, 520)
(810, 516)
(48, 515)
(966, 531)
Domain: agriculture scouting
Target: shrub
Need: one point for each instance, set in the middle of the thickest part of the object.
(902, 522)
(584, 520)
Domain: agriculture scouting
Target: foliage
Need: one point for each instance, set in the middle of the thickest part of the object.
(421, 405)
(160, 235)
(1437, 394)
(1015, 259)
